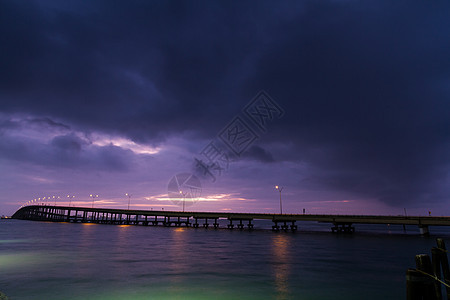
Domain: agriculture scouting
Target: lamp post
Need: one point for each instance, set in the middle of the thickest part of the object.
(280, 189)
(70, 199)
(129, 198)
(184, 198)
(93, 198)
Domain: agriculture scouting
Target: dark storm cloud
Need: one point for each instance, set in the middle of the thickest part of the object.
(70, 143)
(141, 69)
(364, 85)
(66, 152)
(258, 153)
(365, 92)
(48, 123)
(44, 142)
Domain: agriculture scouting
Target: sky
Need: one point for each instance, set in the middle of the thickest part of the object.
(342, 104)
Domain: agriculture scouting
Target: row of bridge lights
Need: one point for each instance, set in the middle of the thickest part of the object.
(47, 200)
(94, 196)
(44, 200)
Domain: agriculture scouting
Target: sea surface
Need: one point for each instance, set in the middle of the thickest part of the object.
(64, 261)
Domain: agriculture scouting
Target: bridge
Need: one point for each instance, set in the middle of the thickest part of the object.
(339, 223)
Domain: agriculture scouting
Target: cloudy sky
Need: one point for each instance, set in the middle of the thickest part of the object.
(344, 104)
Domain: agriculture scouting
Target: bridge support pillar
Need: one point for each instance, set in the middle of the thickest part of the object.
(285, 226)
(293, 226)
(231, 225)
(343, 227)
(275, 227)
(424, 230)
(250, 225)
(240, 225)
(188, 222)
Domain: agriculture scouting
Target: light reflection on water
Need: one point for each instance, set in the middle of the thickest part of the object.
(178, 256)
(73, 261)
(281, 264)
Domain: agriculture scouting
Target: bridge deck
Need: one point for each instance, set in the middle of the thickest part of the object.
(121, 216)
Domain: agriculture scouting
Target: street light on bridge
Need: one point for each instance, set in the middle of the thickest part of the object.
(93, 198)
(70, 199)
(184, 198)
(280, 189)
(129, 198)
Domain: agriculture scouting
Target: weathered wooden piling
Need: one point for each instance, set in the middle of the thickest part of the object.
(424, 282)
(428, 287)
(443, 259)
(436, 261)
(414, 281)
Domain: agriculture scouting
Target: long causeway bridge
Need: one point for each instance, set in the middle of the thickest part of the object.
(339, 223)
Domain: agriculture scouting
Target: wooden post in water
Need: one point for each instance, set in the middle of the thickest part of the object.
(423, 265)
(436, 261)
(444, 263)
(424, 282)
(414, 286)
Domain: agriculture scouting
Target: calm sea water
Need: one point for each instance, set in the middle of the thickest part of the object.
(79, 261)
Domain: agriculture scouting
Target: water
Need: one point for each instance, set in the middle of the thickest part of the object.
(79, 261)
